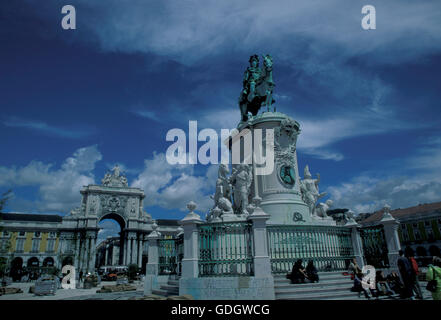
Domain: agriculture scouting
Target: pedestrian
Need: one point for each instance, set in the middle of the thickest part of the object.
(354, 268)
(407, 275)
(433, 277)
(416, 285)
(311, 272)
(395, 283)
(382, 284)
(80, 277)
(298, 272)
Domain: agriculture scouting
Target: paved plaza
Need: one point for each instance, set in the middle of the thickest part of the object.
(75, 294)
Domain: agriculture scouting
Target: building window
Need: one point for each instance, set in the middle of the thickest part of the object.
(417, 234)
(52, 234)
(50, 245)
(36, 245)
(430, 234)
(22, 233)
(20, 245)
(37, 234)
(6, 233)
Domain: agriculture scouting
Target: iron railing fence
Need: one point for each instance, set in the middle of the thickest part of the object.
(329, 247)
(170, 256)
(225, 249)
(375, 246)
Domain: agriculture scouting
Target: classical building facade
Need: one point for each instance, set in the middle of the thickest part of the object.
(29, 240)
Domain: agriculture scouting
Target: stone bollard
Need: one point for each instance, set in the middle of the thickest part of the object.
(391, 233)
(261, 259)
(356, 240)
(152, 268)
(190, 267)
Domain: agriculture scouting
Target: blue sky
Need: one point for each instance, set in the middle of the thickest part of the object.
(76, 102)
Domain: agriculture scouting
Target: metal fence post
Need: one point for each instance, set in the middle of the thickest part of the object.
(391, 233)
(190, 267)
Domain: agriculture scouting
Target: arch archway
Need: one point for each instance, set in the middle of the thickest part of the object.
(48, 262)
(434, 251)
(67, 261)
(408, 251)
(111, 240)
(421, 251)
(16, 268)
(33, 262)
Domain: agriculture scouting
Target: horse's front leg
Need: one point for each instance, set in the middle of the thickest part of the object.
(268, 100)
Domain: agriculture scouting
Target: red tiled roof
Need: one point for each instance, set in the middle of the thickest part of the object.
(398, 213)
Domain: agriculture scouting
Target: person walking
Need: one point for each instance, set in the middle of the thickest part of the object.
(80, 276)
(434, 274)
(416, 285)
(407, 275)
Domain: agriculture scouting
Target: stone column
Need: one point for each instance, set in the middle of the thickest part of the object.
(88, 255)
(140, 249)
(129, 249)
(83, 254)
(261, 259)
(190, 267)
(77, 253)
(92, 252)
(106, 255)
(356, 241)
(135, 250)
(126, 245)
(391, 234)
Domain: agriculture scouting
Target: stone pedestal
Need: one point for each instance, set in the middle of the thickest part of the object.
(279, 190)
(261, 259)
(356, 241)
(152, 267)
(190, 268)
(391, 234)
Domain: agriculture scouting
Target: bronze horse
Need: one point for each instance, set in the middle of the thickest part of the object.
(258, 91)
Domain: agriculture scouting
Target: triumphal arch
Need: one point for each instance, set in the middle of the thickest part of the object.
(113, 199)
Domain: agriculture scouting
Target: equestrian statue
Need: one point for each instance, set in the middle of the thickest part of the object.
(257, 87)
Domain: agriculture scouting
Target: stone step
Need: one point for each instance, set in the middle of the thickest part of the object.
(312, 287)
(169, 287)
(173, 282)
(342, 295)
(315, 284)
(321, 278)
(318, 291)
(160, 292)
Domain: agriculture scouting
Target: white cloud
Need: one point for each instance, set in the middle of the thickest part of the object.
(173, 186)
(190, 30)
(58, 188)
(43, 127)
(366, 194)
(146, 114)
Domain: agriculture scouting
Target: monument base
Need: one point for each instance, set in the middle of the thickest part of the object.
(228, 288)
